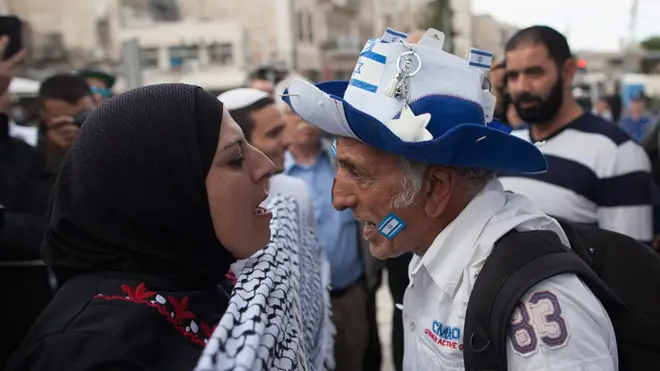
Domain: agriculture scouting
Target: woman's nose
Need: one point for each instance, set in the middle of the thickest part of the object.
(264, 169)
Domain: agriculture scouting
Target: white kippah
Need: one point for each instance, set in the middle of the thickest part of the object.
(242, 97)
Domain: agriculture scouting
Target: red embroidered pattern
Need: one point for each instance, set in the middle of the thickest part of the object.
(232, 277)
(179, 316)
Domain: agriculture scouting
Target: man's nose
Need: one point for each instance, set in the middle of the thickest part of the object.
(342, 197)
(285, 139)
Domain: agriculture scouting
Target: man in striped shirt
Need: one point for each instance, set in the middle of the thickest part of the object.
(596, 173)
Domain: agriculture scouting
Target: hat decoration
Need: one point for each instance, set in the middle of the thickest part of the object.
(419, 102)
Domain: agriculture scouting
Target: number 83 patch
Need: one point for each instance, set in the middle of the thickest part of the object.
(537, 321)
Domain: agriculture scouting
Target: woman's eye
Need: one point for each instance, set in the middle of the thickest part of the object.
(238, 162)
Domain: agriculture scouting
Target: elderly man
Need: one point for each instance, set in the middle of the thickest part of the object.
(416, 152)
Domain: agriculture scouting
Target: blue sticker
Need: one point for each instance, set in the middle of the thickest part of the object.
(333, 148)
(390, 226)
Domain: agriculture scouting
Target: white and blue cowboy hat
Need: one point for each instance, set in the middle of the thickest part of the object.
(442, 116)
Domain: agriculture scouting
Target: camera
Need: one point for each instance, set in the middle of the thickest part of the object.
(80, 117)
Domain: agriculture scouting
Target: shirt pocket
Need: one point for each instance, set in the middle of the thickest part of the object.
(432, 358)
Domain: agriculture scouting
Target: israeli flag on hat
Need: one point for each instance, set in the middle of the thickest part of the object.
(480, 58)
(445, 119)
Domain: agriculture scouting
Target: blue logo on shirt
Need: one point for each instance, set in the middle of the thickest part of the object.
(446, 332)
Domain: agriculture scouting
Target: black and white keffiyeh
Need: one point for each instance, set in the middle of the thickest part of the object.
(278, 316)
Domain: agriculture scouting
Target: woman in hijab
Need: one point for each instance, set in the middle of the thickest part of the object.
(158, 195)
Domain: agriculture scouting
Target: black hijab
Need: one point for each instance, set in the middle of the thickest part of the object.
(131, 194)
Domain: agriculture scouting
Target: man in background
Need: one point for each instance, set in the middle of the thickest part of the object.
(353, 278)
(596, 174)
(638, 122)
(100, 83)
(259, 81)
(602, 109)
(66, 100)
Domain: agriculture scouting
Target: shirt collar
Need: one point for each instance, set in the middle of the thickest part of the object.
(469, 239)
(290, 161)
(454, 247)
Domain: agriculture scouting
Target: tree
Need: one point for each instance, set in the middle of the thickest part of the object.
(652, 43)
(439, 15)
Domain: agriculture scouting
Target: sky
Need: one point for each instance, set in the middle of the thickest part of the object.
(594, 25)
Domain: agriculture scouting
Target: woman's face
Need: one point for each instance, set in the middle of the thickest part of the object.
(236, 184)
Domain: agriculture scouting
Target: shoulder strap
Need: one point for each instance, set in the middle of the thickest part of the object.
(519, 261)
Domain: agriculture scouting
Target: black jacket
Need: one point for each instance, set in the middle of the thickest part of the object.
(24, 193)
(121, 321)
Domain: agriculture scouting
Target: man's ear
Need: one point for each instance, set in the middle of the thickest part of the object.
(568, 71)
(439, 186)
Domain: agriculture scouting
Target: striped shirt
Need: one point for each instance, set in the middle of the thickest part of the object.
(596, 175)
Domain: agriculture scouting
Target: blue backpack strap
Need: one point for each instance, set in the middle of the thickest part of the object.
(519, 261)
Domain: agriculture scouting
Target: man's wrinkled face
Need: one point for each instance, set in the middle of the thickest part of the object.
(367, 182)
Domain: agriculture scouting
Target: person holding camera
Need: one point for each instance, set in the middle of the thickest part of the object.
(66, 100)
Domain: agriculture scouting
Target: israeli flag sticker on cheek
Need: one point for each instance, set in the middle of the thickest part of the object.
(390, 226)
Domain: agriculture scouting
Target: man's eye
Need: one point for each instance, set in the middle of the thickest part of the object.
(353, 172)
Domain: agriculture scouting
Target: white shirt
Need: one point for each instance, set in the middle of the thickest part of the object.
(570, 327)
(596, 175)
(28, 134)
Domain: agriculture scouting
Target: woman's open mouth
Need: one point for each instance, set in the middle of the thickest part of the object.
(261, 211)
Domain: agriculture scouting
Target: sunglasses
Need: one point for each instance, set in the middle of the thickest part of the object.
(104, 92)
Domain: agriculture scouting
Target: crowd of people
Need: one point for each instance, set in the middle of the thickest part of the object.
(167, 228)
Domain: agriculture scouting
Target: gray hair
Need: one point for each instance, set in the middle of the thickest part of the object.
(411, 184)
(475, 180)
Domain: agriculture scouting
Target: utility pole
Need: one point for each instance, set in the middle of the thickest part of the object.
(294, 35)
(633, 22)
(131, 64)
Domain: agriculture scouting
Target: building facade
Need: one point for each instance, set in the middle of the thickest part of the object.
(215, 43)
(490, 34)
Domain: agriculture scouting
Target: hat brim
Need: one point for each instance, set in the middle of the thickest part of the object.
(464, 145)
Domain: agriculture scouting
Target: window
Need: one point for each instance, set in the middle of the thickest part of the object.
(53, 49)
(103, 33)
(310, 28)
(184, 52)
(221, 53)
(149, 57)
(301, 26)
